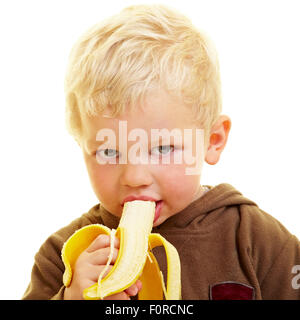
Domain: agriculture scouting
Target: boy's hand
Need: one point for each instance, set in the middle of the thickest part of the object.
(90, 264)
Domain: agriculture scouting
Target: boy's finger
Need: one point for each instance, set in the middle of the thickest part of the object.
(102, 241)
(94, 272)
(134, 289)
(139, 285)
(100, 256)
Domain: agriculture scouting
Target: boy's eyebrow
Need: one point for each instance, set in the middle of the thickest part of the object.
(159, 139)
(93, 143)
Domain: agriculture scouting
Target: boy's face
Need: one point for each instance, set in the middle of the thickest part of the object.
(115, 178)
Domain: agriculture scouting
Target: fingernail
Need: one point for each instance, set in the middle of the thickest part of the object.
(139, 284)
(135, 291)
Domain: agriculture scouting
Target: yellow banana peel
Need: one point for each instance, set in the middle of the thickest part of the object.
(135, 259)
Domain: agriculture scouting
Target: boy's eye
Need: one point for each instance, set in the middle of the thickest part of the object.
(161, 150)
(108, 153)
(112, 153)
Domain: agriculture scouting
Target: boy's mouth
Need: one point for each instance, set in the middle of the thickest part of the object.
(158, 204)
(158, 208)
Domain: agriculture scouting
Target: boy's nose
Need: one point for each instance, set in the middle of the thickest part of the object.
(136, 175)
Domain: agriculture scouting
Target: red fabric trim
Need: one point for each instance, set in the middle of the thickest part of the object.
(231, 291)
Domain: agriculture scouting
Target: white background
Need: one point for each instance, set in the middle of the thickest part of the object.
(44, 185)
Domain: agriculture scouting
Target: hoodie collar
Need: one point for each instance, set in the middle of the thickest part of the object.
(220, 196)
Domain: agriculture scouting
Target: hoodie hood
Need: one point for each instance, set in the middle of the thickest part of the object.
(216, 199)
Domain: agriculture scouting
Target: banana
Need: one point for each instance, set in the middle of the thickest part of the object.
(135, 259)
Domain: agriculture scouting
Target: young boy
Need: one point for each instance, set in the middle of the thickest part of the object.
(145, 69)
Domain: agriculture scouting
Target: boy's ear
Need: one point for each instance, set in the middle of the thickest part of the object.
(217, 139)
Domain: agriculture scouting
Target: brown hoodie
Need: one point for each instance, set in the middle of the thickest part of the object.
(228, 247)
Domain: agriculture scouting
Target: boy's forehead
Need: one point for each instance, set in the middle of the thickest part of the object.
(159, 111)
(137, 120)
(157, 107)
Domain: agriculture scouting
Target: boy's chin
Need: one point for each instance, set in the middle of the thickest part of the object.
(158, 222)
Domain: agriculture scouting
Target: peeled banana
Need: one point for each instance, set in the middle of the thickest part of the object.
(135, 259)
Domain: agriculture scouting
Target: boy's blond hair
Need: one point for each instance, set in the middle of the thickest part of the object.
(117, 62)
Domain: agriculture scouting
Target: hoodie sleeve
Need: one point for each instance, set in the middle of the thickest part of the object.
(47, 272)
(46, 275)
(282, 280)
(275, 254)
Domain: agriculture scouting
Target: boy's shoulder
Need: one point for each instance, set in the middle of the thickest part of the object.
(259, 235)
(231, 211)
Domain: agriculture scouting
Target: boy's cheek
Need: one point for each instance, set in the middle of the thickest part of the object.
(101, 178)
(179, 186)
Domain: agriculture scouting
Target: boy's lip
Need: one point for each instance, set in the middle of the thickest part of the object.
(158, 204)
(158, 208)
(141, 197)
